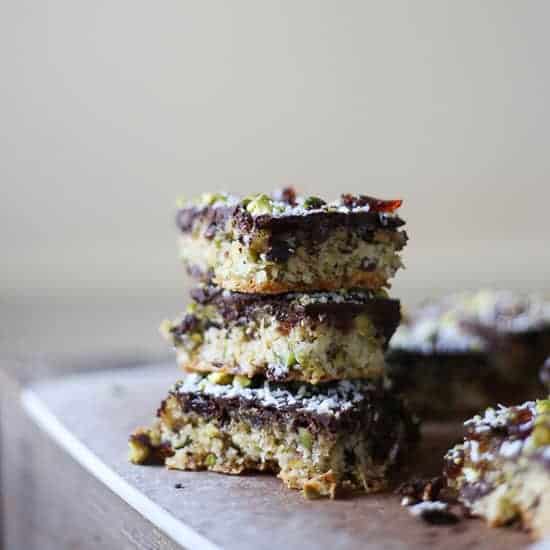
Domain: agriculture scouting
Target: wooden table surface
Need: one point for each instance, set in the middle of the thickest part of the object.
(90, 416)
(53, 497)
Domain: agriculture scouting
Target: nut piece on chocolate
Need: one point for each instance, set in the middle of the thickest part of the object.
(455, 356)
(501, 471)
(320, 439)
(313, 338)
(282, 242)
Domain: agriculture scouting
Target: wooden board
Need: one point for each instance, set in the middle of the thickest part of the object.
(90, 415)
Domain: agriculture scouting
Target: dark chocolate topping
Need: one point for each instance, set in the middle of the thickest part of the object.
(362, 212)
(336, 309)
(378, 412)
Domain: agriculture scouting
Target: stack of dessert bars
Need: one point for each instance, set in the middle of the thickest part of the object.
(283, 344)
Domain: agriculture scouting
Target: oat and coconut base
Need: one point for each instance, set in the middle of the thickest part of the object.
(320, 439)
(280, 243)
(313, 337)
(501, 471)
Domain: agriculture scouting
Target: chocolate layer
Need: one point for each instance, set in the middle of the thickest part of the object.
(338, 310)
(354, 406)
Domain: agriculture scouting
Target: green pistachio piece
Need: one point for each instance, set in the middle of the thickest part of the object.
(541, 435)
(543, 406)
(210, 460)
(208, 199)
(222, 378)
(138, 451)
(291, 360)
(166, 329)
(211, 431)
(363, 325)
(242, 381)
(180, 203)
(313, 202)
(196, 338)
(306, 439)
(260, 204)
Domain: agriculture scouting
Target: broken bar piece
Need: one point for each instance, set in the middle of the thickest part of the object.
(501, 471)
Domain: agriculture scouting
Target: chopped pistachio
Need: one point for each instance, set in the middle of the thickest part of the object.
(222, 378)
(211, 430)
(306, 439)
(363, 325)
(196, 337)
(260, 204)
(138, 452)
(242, 381)
(166, 328)
(543, 406)
(191, 307)
(180, 202)
(208, 199)
(312, 490)
(502, 508)
(154, 437)
(210, 460)
(291, 359)
(313, 202)
(541, 435)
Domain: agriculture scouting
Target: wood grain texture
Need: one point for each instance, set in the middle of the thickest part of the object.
(100, 409)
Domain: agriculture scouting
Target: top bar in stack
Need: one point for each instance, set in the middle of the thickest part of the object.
(282, 243)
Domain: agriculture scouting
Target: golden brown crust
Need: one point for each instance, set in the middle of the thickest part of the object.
(358, 279)
(292, 375)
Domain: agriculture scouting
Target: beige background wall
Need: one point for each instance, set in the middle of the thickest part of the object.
(111, 109)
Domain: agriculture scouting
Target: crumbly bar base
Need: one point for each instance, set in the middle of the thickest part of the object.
(501, 471)
(311, 352)
(524, 495)
(340, 262)
(320, 464)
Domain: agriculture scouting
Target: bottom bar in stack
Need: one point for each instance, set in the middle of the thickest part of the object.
(347, 435)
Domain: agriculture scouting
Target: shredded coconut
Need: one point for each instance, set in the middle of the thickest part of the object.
(331, 400)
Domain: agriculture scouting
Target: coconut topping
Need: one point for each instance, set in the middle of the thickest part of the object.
(329, 400)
